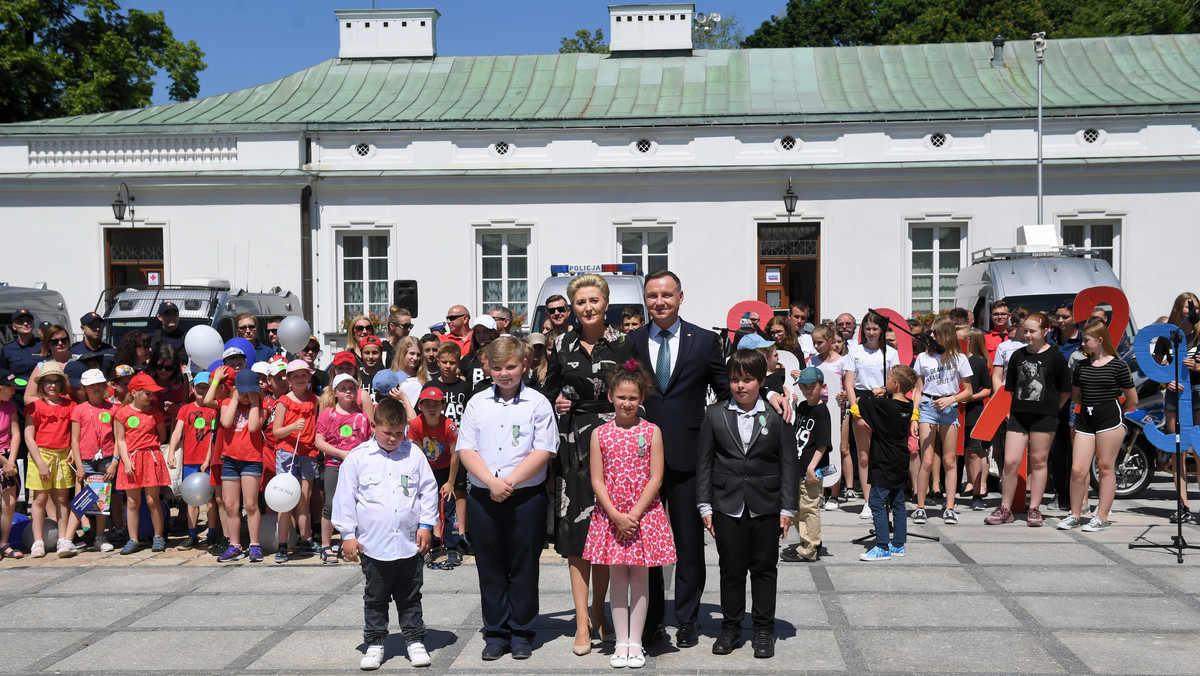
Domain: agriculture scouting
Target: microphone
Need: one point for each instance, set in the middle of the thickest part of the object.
(1193, 316)
(928, 338)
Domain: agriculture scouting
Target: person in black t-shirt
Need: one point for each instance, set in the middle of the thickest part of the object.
(889, 414)
(458, 393)
(976, 476)
(812, 424)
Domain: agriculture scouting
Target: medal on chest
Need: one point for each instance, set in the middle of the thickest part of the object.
(516, 435)
(762, 421)
(641, 439)
(404, 484)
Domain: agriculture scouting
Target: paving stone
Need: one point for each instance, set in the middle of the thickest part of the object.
(1064, 554)
(1076, 580)
(131, 580)
(808, 650)
(22, 649)
(1181, 577)
(17, 580)
(439, 610)
(920, 652)
(903, 579)
(1118, 652)
(1111, 611)
(296, 579)
(66, 612)
(326, 650)
(223, 610)
(190, 650)
(935, 610)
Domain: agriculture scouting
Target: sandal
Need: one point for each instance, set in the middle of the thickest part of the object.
(10, 553)
(328, 555)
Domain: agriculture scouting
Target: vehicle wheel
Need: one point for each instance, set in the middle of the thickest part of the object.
(1134, 468)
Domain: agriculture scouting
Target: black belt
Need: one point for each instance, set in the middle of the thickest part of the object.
(517, 492)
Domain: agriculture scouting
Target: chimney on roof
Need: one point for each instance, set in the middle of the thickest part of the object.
(998, 51)
(646, 28)
(386, 33)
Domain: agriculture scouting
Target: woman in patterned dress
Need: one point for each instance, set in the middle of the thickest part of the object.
(583, 357)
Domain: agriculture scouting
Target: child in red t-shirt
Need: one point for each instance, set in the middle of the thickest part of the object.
(93, 444)
(295, 427)
(51, 472)
(277, 386)
(138, 434)
(436, 435)
(341, 427)
(194, 431)
(241, 442)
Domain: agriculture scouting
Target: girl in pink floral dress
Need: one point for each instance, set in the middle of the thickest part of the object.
(629, 529)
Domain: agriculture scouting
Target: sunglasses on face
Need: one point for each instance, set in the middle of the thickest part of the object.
(406, 327)
(248, 327)
(364, 328)
(451, 318)
(23, 322)
(269, 331)
(556, 310)
(311, 348)
(59, 341)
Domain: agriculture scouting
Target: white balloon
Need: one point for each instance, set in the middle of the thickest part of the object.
(196, 490)
(294, 333)
(282, 493)
(204, 345)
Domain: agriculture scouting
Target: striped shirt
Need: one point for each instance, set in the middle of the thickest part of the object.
(1100, 384)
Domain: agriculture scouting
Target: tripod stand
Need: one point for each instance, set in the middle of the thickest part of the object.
(1178, 544)
(870, 536)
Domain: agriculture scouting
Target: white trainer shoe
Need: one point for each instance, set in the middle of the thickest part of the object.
(372, 659)
(418, 655)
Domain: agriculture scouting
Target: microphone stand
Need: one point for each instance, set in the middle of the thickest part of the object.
(1178, 544)
(870, 536)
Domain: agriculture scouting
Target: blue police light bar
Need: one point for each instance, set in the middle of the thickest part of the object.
(592, 268)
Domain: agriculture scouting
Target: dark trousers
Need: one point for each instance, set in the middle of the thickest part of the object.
(398, 580)
(448, 515)
(1060, 457)
(882, 499)
(748, 544)
(678, 494)
(508, 538)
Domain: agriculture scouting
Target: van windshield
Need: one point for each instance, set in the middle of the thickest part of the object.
(115, 329)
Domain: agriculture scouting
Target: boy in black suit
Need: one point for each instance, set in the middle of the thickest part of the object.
(746, 494)
(890, 414)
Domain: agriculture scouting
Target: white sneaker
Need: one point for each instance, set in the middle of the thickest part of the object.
(372, 659)
(418, 655)
(66, 549)
(831, 505)
(865, 513)
(37, 550)
(1068, 523)
(103, 544)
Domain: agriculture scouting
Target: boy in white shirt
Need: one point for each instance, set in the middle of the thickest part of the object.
(385, 487)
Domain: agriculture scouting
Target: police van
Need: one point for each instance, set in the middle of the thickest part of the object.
(201, 301)
(45, 304)
(625, 288)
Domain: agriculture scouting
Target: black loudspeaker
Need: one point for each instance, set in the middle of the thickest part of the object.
(404, 295)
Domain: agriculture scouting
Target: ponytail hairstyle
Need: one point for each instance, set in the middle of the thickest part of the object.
(630, 372)
(1098, 330)
(946, 335)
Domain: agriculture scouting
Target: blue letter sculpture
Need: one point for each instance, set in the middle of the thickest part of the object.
(1189, 433)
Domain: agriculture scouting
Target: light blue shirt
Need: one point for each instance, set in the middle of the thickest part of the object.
(656, 342)
(491, 425)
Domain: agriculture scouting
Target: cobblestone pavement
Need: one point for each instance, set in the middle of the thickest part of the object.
(986, 599)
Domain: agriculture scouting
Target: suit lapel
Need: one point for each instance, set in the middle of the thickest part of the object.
(731, 426)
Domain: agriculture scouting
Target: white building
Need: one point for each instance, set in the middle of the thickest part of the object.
(472, 175)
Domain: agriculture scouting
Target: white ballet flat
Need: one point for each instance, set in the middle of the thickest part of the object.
(636, 661)
(618, 661)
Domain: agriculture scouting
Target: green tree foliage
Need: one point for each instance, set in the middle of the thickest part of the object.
(728, 34)
(823, 23)
(64, 57)
(584, 43)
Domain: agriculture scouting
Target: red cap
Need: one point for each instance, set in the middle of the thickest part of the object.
(433, 393)
(370, 340)
(345, 357)
(143, 381)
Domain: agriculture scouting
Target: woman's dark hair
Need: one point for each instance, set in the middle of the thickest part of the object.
(127, 350)
(166, 355)
(50, 331)
(630, 372)
(790, 341)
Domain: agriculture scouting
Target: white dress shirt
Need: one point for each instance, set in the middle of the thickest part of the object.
(490, 425)
(382, 498)
(656, 343)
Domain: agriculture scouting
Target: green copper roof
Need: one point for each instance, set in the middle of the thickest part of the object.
(948, 81)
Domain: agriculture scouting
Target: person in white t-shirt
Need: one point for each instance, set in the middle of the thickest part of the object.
(943, 382)
(865, 371)
(830, 362)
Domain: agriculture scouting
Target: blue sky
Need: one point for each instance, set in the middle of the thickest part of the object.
(251, 42)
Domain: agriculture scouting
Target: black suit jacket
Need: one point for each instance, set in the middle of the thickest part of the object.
(679, 410)
(763, 478)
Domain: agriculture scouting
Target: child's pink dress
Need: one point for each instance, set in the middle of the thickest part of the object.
(626, 472)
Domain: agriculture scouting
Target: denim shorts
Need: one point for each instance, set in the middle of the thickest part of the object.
(944, 417)
(233, 469)
(1171, 401)
(306, 468)
(97, 465)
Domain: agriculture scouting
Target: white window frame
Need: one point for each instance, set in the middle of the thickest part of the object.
(506, 227)
(1089, 218)
(935, 220)
(341, 234)
(644, 226)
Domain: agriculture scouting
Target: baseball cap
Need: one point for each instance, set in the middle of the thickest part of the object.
(90, 356)
(345, 357)
(298, 365)
(232, 352)
(753, 341)
(261, 368)
(8, 378)
(387, 380)
(201, 378)
(92, 377)
(485, 320)
(370, 340)
(143, 381)
(341, 378)
(21, 313)
(122, 371)
(536, 338)
(440, 326)
(167, 306)
(247, 381)
(433, 393)
(276, 365)
(810, 375)
(75, 371)
(89, 318)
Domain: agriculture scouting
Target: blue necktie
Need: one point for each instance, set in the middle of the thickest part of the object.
(662, 368)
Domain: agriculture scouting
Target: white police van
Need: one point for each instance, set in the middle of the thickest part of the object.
(625, 288)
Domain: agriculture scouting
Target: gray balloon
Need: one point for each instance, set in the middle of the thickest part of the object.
(196, 490)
